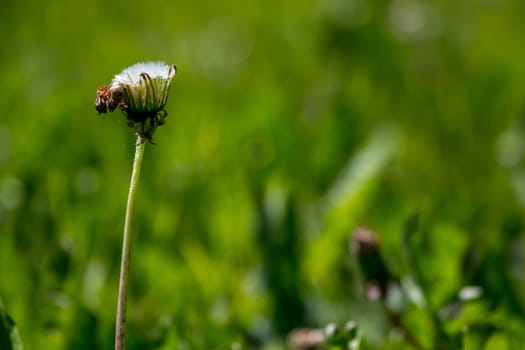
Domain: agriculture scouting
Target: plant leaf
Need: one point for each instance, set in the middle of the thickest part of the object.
(9, 338)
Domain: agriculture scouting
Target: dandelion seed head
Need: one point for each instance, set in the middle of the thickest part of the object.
(133, 75)
(140, 92)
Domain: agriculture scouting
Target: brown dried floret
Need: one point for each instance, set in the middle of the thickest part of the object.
(104, 100)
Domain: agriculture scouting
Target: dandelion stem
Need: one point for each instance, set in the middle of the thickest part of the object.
(126, 247)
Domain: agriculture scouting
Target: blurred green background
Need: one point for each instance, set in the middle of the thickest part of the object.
(291, 123)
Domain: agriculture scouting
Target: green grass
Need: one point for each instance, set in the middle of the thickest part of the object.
(290, 125)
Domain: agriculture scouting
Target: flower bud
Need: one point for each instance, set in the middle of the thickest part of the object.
(141, 92)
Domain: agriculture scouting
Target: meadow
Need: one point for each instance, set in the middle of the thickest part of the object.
(332, 174)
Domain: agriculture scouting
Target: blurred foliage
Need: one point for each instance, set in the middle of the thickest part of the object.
(291, 123)
(9, 338)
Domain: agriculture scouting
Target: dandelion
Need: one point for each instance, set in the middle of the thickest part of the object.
(140, 92)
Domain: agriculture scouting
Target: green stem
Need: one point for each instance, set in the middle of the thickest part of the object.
(126, 247)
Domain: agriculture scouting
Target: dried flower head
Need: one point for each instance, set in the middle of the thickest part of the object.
(141, 92)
